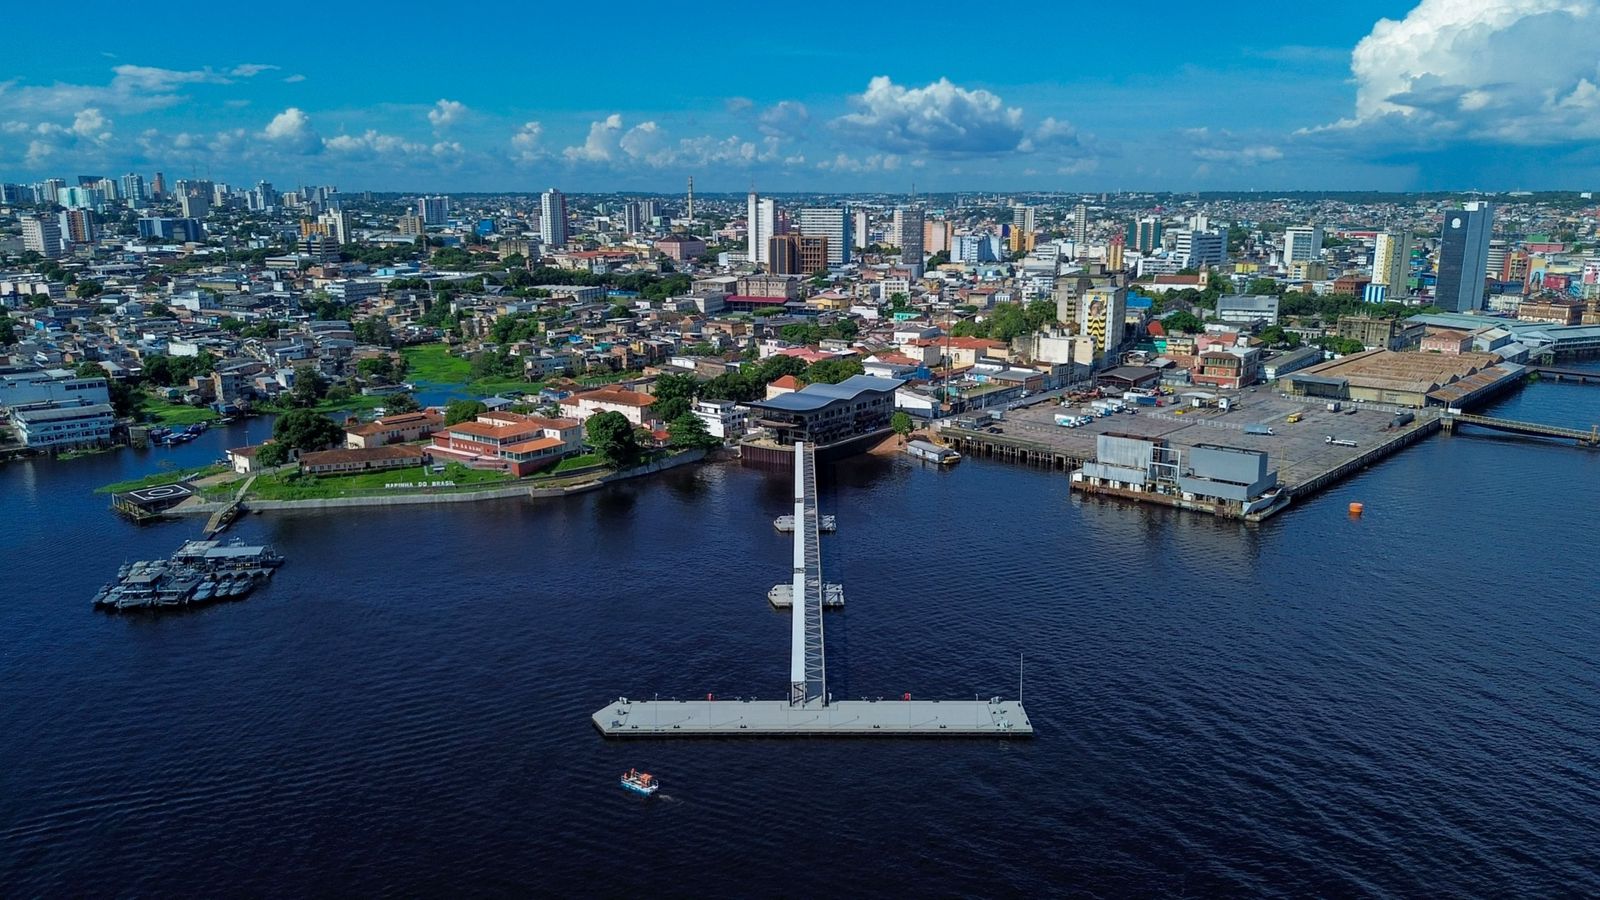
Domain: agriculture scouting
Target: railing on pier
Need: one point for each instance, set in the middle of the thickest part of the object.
(1590, 438)
(807, 666)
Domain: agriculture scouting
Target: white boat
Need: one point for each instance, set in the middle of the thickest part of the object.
(641, 783)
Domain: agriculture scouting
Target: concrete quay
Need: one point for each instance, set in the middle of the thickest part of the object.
(848, 718)
(1305, 461)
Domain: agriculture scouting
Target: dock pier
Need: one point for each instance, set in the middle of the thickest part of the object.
(1590, 438)
(810, 711)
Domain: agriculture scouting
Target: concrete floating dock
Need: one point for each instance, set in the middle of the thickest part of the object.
(825, 524)
(781, 596)
(779, 718)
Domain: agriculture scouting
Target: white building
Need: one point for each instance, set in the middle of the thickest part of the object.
(53, 387)
(1198, 247)
(762, 214)
(832, 223)
(724, 418)
(1301, 244)
(42, 236)
(63, 427)
(1244, 309)
(553, 219)
(434, 210)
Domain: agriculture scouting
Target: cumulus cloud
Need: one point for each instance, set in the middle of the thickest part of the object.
(446, 113)
(1513, 71)
(738, 104)
(291, 129)
(525, 144)
(601, 143)
(939, 118)
(787, 118)
(91, 125)
(294, 79)
(250, 70)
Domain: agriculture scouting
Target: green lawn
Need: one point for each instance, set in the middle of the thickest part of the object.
(291, 486)
(166, 476)
(581, 461)
(160, 411)
(433, 362)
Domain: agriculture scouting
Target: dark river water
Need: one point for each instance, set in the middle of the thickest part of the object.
(1404, 704)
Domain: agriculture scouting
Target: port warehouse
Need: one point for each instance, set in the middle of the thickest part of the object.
(1208, 473)
(1414, 379)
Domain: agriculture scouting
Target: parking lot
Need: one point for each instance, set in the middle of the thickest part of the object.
(1298, 451)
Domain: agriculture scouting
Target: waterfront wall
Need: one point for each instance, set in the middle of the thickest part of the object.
(505, 493)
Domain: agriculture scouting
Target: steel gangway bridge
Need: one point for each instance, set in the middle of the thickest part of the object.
(1591, 438)
(809, 710)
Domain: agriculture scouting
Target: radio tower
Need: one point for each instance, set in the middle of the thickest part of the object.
(691, 203)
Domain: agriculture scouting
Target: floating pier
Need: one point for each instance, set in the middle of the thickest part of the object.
(810, 710)
(825, 524)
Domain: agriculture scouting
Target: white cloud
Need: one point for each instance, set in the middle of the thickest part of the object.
(294, 79)
(939, 118)
(250, 70)
(601, 143)
(373, 143)
(738, 104)
(787, 118)
(446, 113)
(291, 129)
(1513, 71)
(1223, 146)
(91, 125)
(526, 143)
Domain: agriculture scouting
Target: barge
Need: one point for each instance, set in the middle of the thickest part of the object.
(199, 572)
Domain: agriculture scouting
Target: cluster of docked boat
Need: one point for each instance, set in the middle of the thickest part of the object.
(171, 437)
(200, 572)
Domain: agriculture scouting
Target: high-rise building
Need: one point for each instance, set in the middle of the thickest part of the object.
(1114, 248)
(1022, 218)
(42, 235)
(52, 190)
(1101, 312)
(762, 216)
(411, 224)
(1080, 226)
(1391, 263)
(1464, 257)
(1200, 248)
(911, 255)
(158, 187)
(938, 236)
(78, 226)
(133, 189)
(1301, 244)
(193, 202)
(832, 223)
(434, 210)
(797, 254)
(633, 218)
(1144, 235)
(553, 219)
(860, 231)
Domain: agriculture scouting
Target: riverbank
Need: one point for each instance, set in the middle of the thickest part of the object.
(580, 484)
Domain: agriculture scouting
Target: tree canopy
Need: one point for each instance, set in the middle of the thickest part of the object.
(457, 411)
(611, 435)
(303, 429)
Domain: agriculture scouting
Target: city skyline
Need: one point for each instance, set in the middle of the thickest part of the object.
(1438, 95)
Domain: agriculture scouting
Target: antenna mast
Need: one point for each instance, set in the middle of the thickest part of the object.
(691, 203)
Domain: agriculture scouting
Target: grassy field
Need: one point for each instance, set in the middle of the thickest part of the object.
(291, 486)
(582, 461)
(433, 364)
(166, 476)
(160, 411)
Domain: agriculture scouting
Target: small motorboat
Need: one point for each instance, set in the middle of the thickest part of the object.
(641, 783)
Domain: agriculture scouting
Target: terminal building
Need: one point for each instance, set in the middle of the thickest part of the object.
(1231, 481)
(841, 417)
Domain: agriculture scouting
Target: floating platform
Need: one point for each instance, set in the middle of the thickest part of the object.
(781, 596)
(825, 524)
(778, 718)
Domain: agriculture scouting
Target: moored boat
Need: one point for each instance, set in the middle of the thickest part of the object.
(641, 783)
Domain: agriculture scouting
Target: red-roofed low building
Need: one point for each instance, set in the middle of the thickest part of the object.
(788, 384)
(517, 443)
(369, 459)
(632, 404)
(396, 429)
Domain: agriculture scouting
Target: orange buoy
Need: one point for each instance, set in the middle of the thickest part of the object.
(1356, 509)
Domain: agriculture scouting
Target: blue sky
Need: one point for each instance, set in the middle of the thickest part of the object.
(1436, 94)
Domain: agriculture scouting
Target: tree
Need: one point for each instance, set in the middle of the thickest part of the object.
(374, 330)
(8, 334)
(303, 429)
(272, 454)
(689, 432)
(457, 411)
(1007, 321)
(1039, 313)
(401, 403)
(611, 435)
(1264, 286)
(902, 424)
(735, 386)
(620, 311)
(832, 371)
(1186, 322)
(309, 386)
(674, 395)
(87, 289)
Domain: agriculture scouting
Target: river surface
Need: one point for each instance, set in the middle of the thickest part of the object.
(1401, 704)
